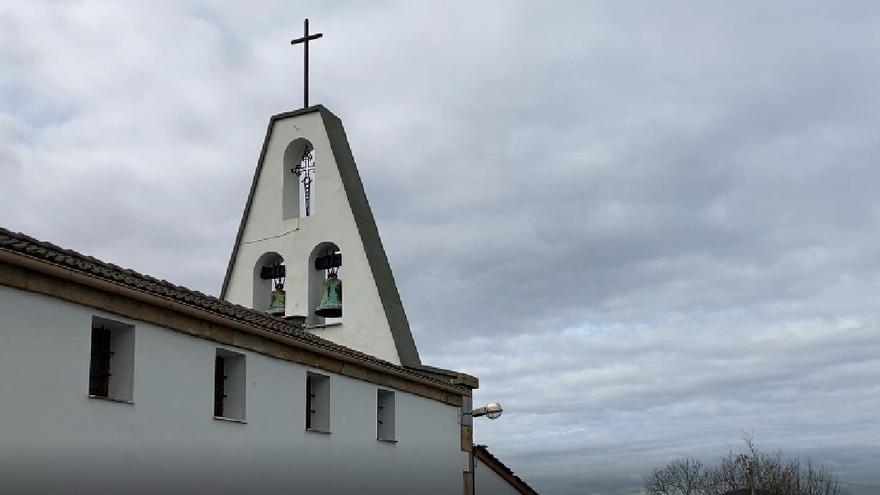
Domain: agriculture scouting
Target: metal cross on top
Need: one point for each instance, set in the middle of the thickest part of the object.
(305, 41)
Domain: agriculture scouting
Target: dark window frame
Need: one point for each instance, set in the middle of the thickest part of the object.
(99, 364)
(317, 402)
(309, 401)
(219, 385)
(386, 415)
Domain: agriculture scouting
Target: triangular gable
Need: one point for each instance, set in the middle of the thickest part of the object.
(363, 220)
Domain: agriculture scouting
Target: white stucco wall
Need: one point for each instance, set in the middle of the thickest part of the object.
(364, 324)
(488, 482)
(53, 437)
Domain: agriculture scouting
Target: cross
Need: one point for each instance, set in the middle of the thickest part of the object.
(305, 41)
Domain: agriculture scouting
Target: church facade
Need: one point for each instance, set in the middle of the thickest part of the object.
(114, 381)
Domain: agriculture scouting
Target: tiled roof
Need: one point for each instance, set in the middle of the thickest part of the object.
(72, 260)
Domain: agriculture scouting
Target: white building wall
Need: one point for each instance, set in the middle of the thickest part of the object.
(54, 437)
(488, 482)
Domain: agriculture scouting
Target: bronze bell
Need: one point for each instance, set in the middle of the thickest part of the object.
(331, 298)
(276, 307)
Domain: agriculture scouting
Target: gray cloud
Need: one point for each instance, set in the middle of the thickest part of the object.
(645, 228)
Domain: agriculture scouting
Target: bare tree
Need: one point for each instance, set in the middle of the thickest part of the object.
(679, 477)
(769, 473)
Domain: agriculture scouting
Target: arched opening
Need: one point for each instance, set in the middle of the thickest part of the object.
(299, 177)
(325, 263)
(269, 274)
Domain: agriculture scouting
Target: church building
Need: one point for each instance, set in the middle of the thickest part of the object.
(112, 381)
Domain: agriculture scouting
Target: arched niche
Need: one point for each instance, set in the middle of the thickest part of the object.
(262, 284)
(299, 173)
(316, 280)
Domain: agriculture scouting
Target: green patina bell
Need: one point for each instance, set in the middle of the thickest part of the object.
(276, 307)
(331, 298)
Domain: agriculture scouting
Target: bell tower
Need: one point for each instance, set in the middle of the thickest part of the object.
(306, 232)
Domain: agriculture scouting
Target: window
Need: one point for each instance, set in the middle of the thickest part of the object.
(318, 402)
(385, 415)
(111, 367)
(229, 385)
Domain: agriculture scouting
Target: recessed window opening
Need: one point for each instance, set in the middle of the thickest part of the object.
(299, 177)
(317, 402)
(325, 285)
(385, 415)
(269, 275)
(230, 382)
(111, 367)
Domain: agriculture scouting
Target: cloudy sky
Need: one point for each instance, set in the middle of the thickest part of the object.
(646, 227)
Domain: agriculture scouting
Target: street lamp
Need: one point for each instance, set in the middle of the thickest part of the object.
(491, 410)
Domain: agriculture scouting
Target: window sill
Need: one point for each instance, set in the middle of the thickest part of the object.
(322, 432)
(111, 399)
(386, 440)
(230, 420)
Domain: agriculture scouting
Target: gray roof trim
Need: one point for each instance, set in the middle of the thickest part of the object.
(456, 377)
(366, 225)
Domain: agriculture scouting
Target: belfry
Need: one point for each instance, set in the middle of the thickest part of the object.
(307, 227)
(306, 207)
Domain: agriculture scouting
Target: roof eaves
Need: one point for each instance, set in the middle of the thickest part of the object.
(45, 253)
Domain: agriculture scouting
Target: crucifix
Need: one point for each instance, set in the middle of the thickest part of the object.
(305, 169)
(305, 42)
